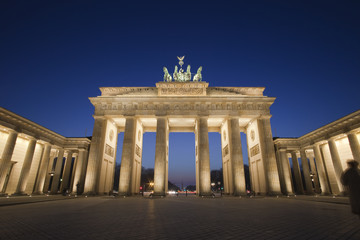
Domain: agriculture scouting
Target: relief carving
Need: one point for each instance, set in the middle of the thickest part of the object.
(184, 106)
(109, 150)
(255, 150)
(225, 150)
(138, 151)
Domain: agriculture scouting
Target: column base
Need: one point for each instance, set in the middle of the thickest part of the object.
(38, 193)
(158, 195)
(20, 194)
(325, 194)
(274, 194)
(207, 194)
(4, 194)
(91, 193)
(239, 194)
(124, 194)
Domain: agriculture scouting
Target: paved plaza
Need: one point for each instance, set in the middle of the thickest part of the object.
(58, 217)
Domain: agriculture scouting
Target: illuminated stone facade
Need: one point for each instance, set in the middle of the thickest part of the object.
(323, 154)
(182, 107)
(29, 154)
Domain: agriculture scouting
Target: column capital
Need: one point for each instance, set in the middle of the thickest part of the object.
(99, 117)
(10, 130)
(265, 116)
(317, 144)
(31, 138)
(353, 131)
(47, 144)
(232, 117)
(304, 148)
(332, 138)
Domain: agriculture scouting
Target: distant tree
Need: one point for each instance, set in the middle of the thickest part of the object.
(147, 177)
(217, 176)
(172, 187)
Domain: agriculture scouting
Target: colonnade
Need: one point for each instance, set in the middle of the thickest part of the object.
(161, 158)
(323, 163)
(31, 158)
(232, 157)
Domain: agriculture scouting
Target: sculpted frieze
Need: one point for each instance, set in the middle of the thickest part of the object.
(186, 107)
(114, 91)
(246, 91)
(182, 89)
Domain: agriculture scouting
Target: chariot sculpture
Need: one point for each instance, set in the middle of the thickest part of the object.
(180, 75)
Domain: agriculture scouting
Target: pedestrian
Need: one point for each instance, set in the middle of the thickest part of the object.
(78, 188)
(351, 180)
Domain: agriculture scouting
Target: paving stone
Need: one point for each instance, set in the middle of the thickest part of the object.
(179, 218)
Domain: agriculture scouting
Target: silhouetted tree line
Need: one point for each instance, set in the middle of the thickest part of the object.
(217, 176)
(147, 177)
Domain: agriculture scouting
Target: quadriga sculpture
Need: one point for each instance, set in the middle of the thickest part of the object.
(167, 76)
(198, 76)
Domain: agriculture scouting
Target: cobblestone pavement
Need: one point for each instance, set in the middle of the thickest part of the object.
(179, 218)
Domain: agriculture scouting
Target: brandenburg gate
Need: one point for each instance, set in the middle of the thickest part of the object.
(182, 103)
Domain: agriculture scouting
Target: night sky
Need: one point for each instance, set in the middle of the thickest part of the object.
(56, 54)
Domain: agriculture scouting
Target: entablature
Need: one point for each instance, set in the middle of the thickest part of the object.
(337, 129)
(165, 89)
(10, 121)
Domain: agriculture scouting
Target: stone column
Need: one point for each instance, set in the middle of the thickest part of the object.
(236, 158)
(83, 171)
(44, 163)
(65, 184)
(127, 156)
(71, 181)
(354, 145)
(268, 156)
(95, 159)
(204, 158)
(306, 171)
(287, 172)
(315, 174)
(48, 172)
(78, 171)
(24, 174)
(337, 163)
(324, 183)
(5, 159)
(57, 172)
(160, 157)
(50, 169)
(297, 173)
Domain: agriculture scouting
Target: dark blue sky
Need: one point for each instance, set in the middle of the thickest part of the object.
(56, 54)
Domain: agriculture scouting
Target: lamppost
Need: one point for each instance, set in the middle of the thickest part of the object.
(219, 184)
(151, 184)
(212, 186)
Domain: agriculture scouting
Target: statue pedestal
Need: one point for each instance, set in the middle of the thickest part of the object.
(182, 88)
